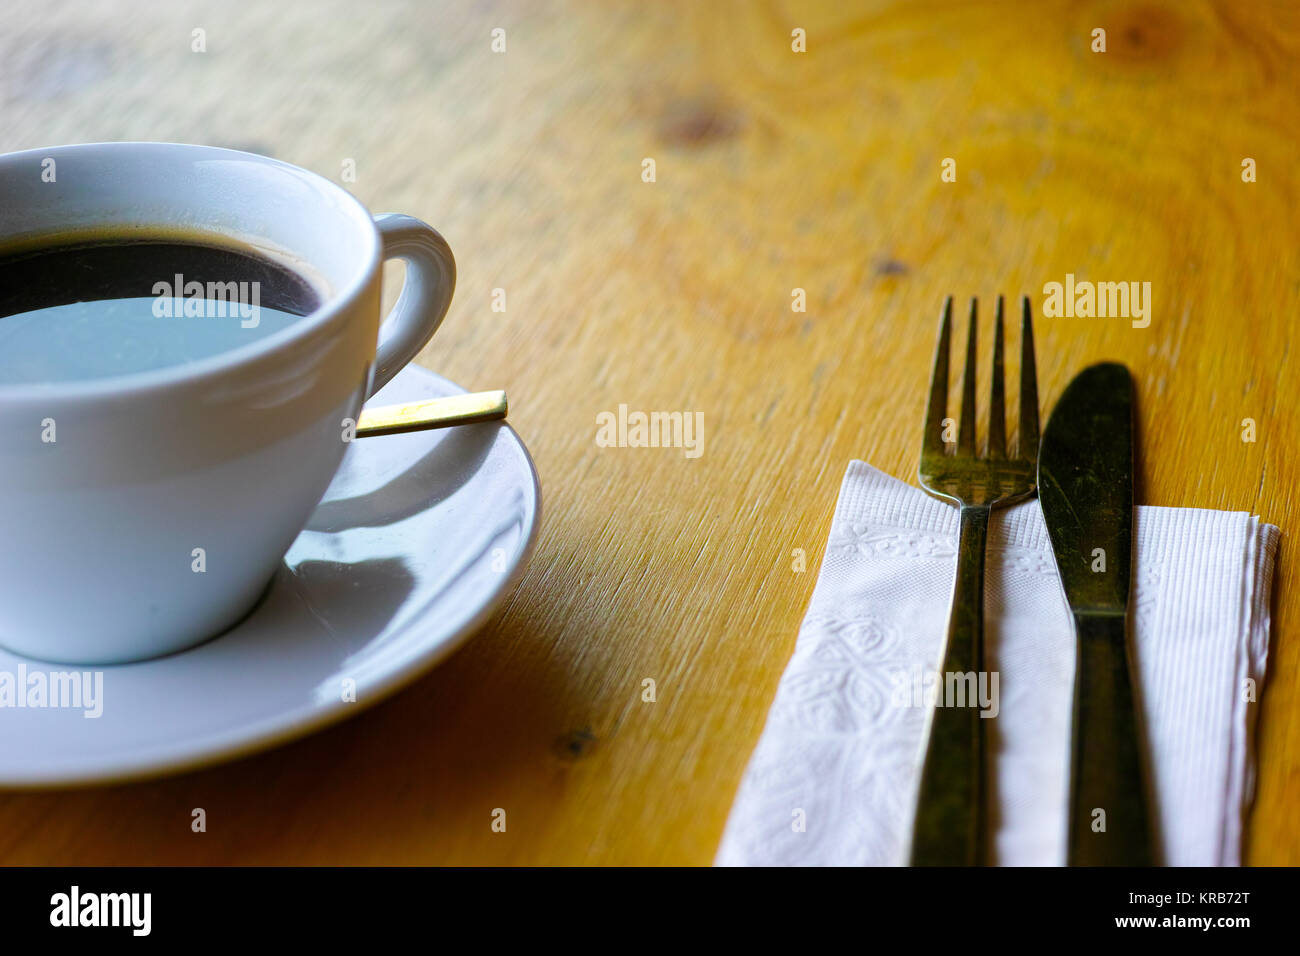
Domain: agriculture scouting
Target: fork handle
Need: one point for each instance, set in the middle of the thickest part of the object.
(949, 826)
(1109, 825)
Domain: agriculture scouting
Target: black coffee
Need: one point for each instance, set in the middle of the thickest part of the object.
(112, 307)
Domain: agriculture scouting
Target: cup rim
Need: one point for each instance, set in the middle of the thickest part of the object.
(222, 362)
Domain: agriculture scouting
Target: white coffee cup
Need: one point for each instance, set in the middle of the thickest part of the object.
(163, 506)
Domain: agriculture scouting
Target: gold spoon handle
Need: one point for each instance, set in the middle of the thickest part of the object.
(432, 413)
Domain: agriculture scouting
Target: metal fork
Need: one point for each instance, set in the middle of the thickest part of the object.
(950, 817)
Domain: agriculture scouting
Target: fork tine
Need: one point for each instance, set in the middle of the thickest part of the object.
(932, 443)
(966, 435)
(997, 395)
(1028, 449)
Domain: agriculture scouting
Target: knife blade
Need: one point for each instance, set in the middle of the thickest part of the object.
(1085, 486)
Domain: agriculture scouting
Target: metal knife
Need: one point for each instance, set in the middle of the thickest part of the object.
(1085, 485)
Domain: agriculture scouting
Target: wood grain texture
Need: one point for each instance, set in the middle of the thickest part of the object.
(775, 170)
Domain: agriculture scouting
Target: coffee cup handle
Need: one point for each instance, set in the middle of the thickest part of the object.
(425, 297)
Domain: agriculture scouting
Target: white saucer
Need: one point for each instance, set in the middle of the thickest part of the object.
(417, 540)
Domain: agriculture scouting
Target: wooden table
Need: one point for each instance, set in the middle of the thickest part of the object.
(774, 170)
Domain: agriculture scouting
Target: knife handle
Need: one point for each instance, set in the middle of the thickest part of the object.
(949, 825)
(1106, 774)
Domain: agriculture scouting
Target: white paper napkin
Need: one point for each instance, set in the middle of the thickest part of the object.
(834, 777)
